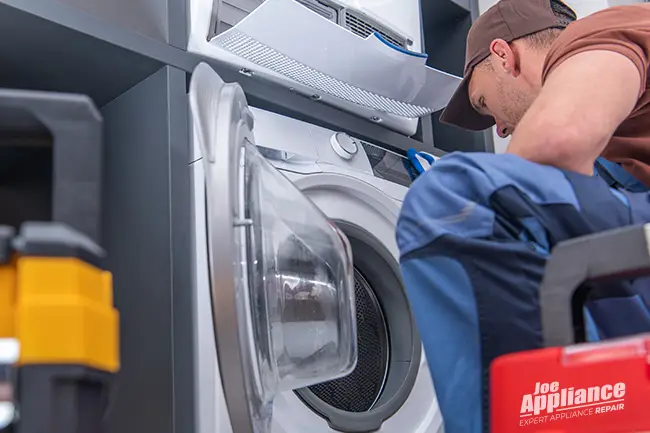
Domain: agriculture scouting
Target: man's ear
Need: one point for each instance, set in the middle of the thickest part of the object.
(504, 56)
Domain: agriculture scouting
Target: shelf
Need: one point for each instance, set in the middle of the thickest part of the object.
(47, 45)
(272, 97)
(333, 66)
(276, 98)
(315, 76)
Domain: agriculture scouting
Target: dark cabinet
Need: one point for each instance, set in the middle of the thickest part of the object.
(445, 24)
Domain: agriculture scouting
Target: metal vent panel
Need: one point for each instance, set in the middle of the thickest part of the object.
(262, 55)
(363, 27)
(360, 390)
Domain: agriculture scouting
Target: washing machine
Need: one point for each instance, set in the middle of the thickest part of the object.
(398, 22)
(330, 183)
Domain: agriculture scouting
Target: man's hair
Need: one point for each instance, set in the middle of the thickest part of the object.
(542, 40)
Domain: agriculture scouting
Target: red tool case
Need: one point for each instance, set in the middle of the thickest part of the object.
(578, 388)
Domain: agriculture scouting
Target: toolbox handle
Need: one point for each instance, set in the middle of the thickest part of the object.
(75, 126)
(614, 254)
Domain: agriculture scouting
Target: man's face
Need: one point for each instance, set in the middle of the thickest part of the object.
(500, 91)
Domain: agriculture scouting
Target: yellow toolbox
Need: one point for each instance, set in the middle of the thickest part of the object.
(59, 342)
(59, 330)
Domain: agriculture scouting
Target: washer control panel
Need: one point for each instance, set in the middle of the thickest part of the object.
(344, 145)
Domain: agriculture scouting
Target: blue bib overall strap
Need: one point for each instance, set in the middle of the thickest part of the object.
(617, 177)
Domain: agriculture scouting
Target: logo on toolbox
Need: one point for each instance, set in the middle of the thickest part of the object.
(549, 402)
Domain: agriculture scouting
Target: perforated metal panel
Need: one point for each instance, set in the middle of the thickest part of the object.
(256, 52)
(362, 26)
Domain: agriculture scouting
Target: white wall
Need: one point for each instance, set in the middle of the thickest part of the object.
(582, 8)
(587, 7)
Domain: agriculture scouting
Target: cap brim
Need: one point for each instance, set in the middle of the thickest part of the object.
(460, 112)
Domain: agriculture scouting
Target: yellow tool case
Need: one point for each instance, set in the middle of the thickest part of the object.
(59, 330)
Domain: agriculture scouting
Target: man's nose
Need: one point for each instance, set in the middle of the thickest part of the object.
(502, 129)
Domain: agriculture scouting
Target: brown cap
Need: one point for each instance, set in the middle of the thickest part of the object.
(507, 20)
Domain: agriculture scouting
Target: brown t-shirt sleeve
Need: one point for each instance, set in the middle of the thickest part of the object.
(623, 30)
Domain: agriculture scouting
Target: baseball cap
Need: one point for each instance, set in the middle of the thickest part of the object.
(507, 20)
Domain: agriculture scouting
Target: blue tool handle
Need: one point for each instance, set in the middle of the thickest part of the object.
(415, 168)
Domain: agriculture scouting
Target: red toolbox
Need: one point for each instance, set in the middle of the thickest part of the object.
(578, 388)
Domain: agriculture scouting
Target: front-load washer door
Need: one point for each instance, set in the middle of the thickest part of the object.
(281, 275)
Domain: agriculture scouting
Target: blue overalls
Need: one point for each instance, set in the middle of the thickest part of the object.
(474, 234)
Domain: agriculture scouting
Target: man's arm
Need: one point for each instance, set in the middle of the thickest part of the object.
(579, 108)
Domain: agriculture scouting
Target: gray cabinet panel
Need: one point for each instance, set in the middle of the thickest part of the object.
(465, 4)
(146, 235)
(446, 24)
(149, 17)
(180, 198)
(52, 46)
(76, 63)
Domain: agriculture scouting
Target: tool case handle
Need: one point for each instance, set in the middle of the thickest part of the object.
(614, 254)
(74, 126)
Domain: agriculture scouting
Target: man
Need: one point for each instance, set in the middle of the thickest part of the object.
(567, 90)
(475, 231)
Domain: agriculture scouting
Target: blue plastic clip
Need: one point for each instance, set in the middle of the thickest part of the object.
(413, 165)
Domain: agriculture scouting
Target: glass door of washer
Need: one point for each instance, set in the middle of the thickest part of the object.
(281, 274)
